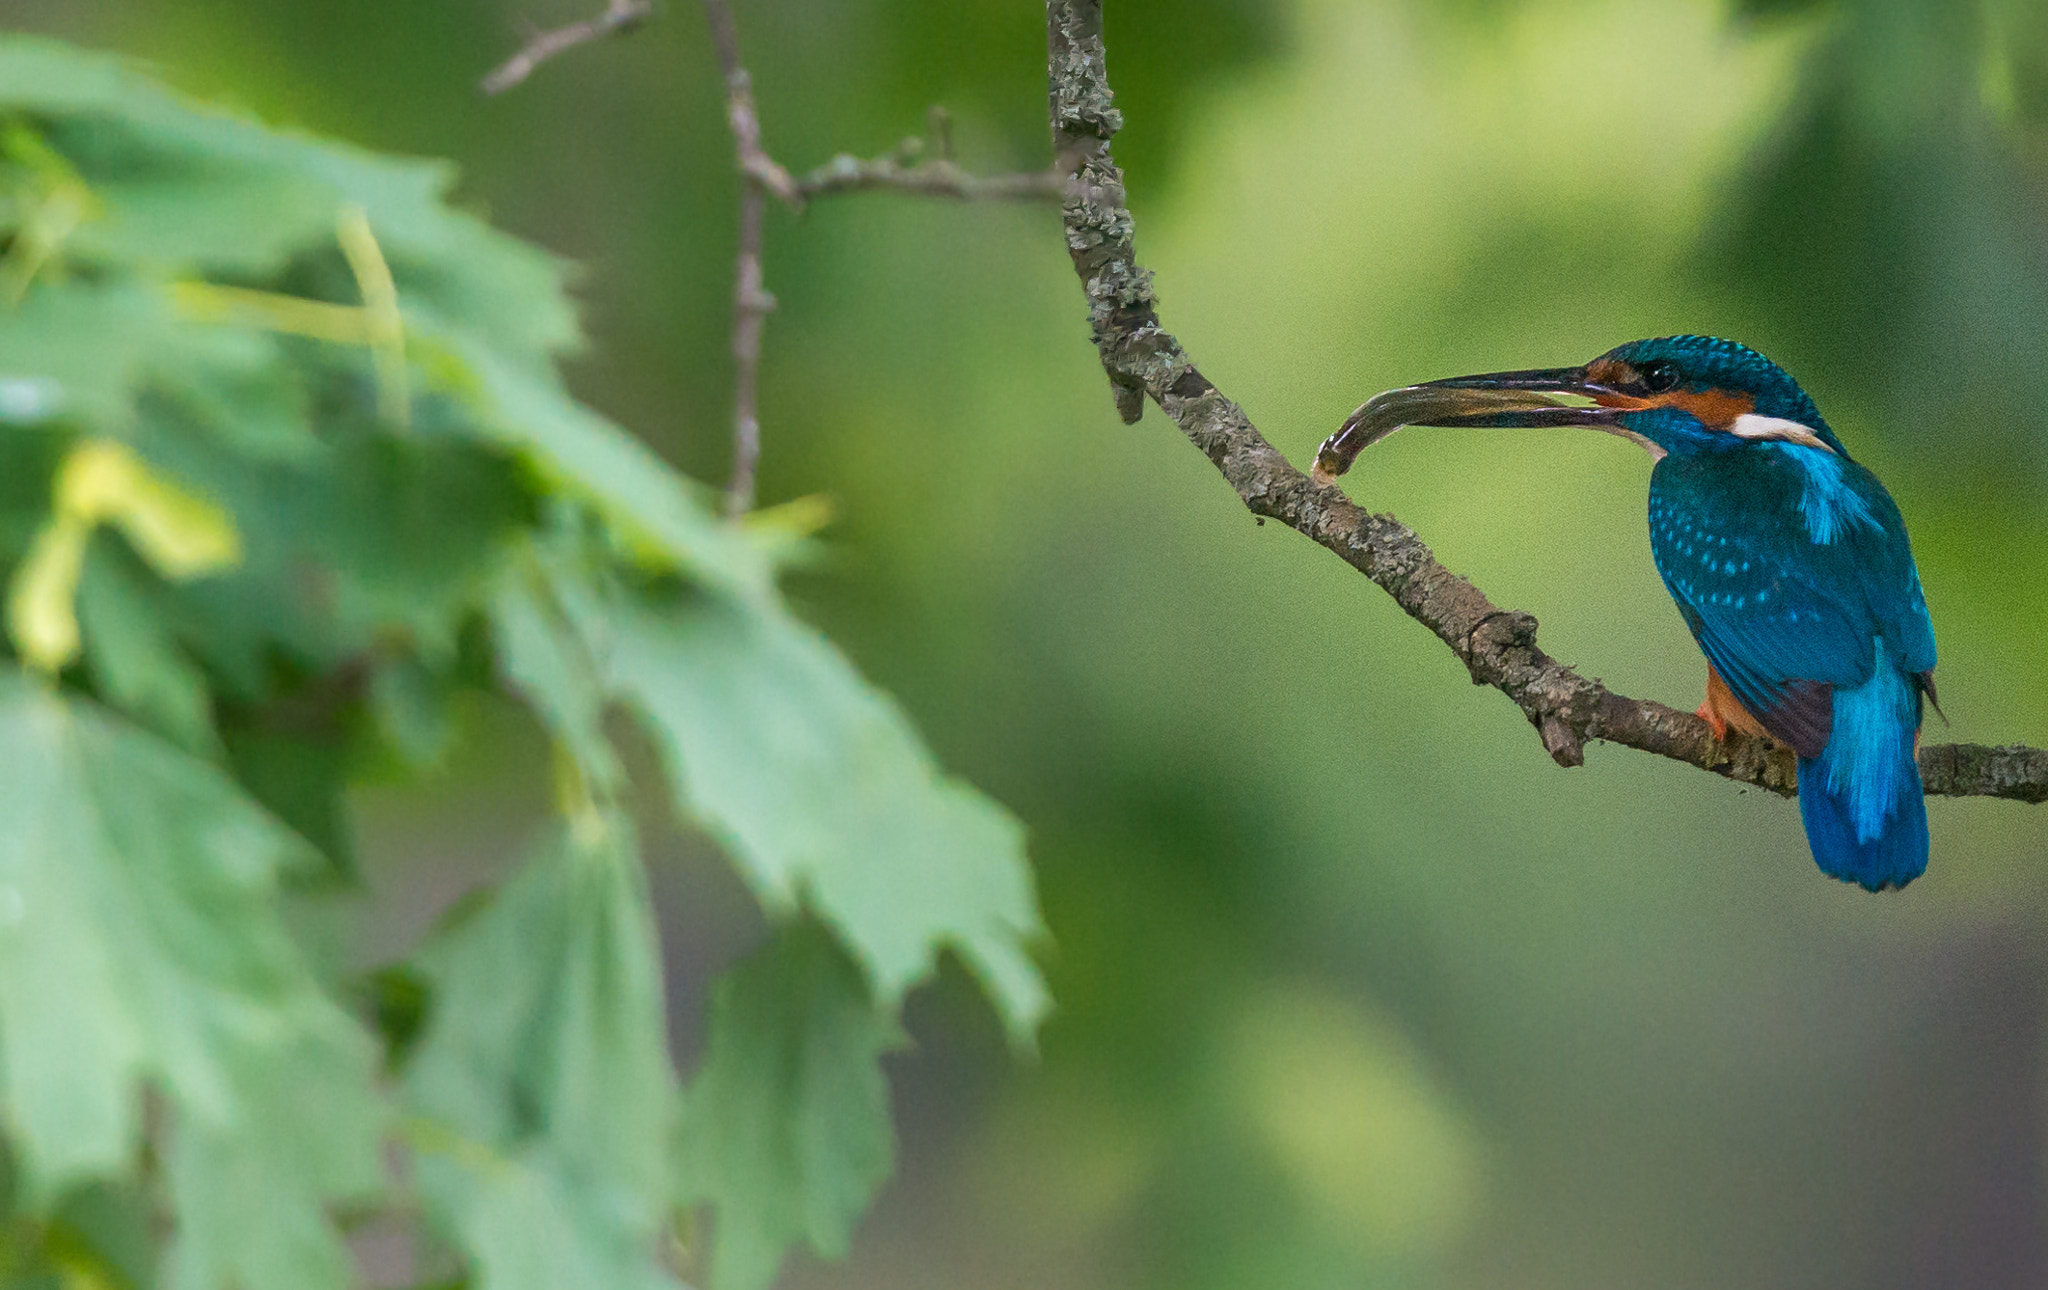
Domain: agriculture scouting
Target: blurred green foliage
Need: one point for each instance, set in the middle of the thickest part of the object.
(296, 486)
(1890, 216)
(1354, 986)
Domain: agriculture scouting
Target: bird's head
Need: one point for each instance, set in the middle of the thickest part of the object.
(1673, 394)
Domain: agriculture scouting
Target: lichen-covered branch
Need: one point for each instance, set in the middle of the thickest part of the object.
(1498, 646)
(617, 18)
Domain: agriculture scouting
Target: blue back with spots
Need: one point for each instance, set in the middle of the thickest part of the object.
(1788, 563)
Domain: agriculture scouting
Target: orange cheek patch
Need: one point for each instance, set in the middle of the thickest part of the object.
(1713, 408)
(1716, 408)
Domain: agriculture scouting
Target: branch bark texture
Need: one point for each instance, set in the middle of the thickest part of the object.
(1498, 646)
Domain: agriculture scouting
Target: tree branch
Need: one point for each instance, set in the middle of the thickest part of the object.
(619, 16)
(1498, 646)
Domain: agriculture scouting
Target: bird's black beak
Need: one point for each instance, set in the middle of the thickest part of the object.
(1498, 399)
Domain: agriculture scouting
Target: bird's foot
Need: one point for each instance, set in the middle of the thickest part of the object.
(1713, 719)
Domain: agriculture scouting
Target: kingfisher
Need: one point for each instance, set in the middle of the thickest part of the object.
(1786, 557)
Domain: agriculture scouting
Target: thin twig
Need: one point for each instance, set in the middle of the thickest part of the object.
(907, 170)
(751, 306)
(1497, 646)
(619, 16)
(740, 113)
(760, 176)
(940, 178)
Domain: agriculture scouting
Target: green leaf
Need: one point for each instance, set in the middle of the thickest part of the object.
(542, 1083)
(412, 705)
(241, 388)
(820, 788)
(250, 1183)
(300, 776)
(182, 187)
(140, 939)
(135, 663)
(91, 343)
(395, 996)
(47, 76)
(785, 1131)
(178, 293)
(552, 667)
(662, 516)
(100, 1236)
(530, 1226)
(105, 1231)
(375, 540)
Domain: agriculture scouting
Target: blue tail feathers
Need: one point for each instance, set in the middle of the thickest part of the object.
(1892, 855)
(1861, 798)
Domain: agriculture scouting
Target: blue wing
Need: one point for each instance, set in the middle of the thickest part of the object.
(1788, 596)
(1891, 581)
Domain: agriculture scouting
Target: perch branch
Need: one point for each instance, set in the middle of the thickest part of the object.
(1498, 646)
(619, 16)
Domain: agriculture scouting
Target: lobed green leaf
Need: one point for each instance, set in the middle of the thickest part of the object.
(821, 790)
(140, 940)
(785, 1131)
(542, 1081)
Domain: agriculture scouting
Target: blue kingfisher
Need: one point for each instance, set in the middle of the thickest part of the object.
(1787, 559)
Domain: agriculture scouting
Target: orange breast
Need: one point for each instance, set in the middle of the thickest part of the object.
(1723, 704)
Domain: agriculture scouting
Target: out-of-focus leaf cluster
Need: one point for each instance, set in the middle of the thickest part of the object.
(1887, 218)
(286, 472)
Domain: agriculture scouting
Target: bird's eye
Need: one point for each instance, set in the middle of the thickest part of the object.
(1660, 376)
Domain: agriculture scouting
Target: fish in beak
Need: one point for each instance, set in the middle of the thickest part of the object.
(1495, 399)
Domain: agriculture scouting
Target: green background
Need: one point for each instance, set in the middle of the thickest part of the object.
(1354, 986)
